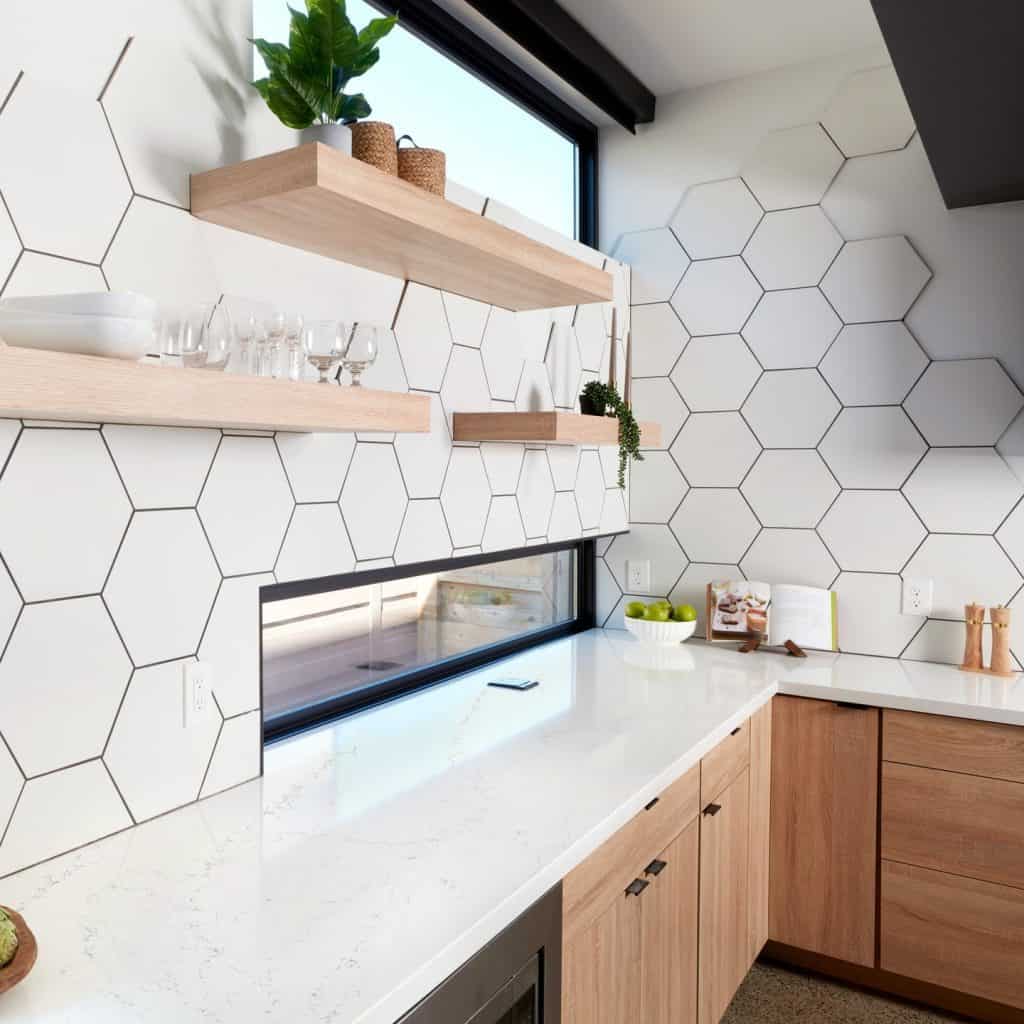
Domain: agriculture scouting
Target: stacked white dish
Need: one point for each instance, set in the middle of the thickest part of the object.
(118, 325)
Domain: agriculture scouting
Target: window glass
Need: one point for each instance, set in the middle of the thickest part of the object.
(492, 145)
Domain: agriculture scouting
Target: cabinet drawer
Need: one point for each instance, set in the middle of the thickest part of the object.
(950, 822)
(724, 763)
(593, 885)
(954, 744)
(951, 931)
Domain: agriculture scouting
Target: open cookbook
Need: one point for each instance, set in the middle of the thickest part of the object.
(741, 610)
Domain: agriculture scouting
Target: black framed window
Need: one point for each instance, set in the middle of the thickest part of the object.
(339, 644)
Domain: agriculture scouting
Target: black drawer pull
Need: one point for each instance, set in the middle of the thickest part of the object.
(850, 706)
(656, 867)
(736, 730)
(636, 887)
(712, 809)
(651, 803)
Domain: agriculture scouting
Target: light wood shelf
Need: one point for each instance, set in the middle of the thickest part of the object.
(547, 427)
(315, 198)
(37, 384)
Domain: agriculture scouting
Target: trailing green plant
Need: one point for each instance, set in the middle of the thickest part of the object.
(606, 397)
(306, 79)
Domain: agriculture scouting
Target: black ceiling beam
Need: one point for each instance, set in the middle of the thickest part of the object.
(557, 39)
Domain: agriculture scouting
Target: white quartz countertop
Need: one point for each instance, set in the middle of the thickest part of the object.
(379, 853)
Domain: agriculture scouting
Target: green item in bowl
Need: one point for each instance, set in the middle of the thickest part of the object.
(8, 939)
(657, 612)
(635, 609)
(685, 613)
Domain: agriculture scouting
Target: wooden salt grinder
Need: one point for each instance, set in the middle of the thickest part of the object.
(975, 616)
(1002, 664)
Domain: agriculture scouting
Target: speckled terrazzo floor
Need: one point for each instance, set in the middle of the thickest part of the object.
(776, 995)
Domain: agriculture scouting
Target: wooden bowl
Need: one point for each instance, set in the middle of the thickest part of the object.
(25, 957)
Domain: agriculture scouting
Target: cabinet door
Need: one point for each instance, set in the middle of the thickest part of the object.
(601, 979)
(669, 970)
(760, 817)
(724, 898)
(824, 828)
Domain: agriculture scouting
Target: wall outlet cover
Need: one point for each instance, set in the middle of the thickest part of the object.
(917, 596)
(196, 691)
(638, 576)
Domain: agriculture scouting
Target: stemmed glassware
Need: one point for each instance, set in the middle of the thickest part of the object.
(323, 342)
(361, 350)
(293, 341)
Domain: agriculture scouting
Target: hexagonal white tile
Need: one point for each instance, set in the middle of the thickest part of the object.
(790, 408)
(875, 279)
(608, 595)
(790, 488)
(74, 215)
(163, 467)
(591, 334)
(869, 114)
(565, 521)
(657, 261)
(962, 490)
(590, 490)
(424, 535)
(692, 587)
(871, 531)
(655, 488)
(869, 607)
(564, 460)
(715, 373)
(316, 464)
(716, 296)
(564, 366)
(943, 642)
(792, 167)
(715, 449)
(465, 385)
(10, 605)
(613, 515)
(9, 430)
(373, 501)
(236, 758)
(10, 248)
(873, 447)
(873, 364)
(60, 812)
(228, 643)
(467, 318)
(504, 463)
(714, 525)
(716, 218)
(791, 329)
(790, 556)
(36, 274)
(964, 569)
(157, 764)
(964, 402)
(424, 457)
(1011, 536)
(502, 354)
(534, 329)
(162, 586)
(1011, 447)
(246, 505)
(466, 496)
(84, 675)
(658, 339)
(315, 545)
(534, 393)
(11, 779)
(504, 528)
(423, 337)
(536, 492)
(655, 544)
(387, 373)
(792, 248)
(63, 512)
(656, 400)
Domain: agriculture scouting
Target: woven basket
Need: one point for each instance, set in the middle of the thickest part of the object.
(373, 142)
(424, 168)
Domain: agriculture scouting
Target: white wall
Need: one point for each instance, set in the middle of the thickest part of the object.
(841, 435)
(126, 551)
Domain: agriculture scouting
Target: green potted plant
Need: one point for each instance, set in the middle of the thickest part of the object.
(306, 79)
(599, 399)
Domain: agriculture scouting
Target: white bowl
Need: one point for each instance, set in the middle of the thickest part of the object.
(660, 634)
(116, 337)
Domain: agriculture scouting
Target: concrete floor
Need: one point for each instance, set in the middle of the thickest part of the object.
(777, 995)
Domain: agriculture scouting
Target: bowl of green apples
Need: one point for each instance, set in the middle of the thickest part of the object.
(661, 623)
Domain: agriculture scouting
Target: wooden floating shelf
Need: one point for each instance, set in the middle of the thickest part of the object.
(316, 198)
(37, 384)
(547, 427)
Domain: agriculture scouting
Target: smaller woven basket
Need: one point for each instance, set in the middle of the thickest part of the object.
(424, 168)
(373, 142)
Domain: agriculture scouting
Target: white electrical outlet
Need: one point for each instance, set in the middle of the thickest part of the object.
(638, 577)
(196, 690)
(917, 596)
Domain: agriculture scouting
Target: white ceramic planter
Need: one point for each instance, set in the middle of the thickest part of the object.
(660, 634)
(337, 136)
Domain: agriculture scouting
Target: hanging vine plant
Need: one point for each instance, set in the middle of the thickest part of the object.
(600, 399)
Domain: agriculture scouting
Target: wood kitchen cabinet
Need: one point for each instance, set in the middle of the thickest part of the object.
(824, 793)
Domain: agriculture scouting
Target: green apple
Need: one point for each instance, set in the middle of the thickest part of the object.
(685, 613)
(635, 610)
(657, 612)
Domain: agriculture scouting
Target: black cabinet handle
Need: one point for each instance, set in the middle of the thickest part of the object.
(712, 809)
(656, 867)
(651, 803)
(636, 887)
(850, 706)
(736, 730)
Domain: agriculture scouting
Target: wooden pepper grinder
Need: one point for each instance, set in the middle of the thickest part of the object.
(975, 616)
(1002, 664)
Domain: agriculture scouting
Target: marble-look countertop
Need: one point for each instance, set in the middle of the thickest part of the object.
(380, 852)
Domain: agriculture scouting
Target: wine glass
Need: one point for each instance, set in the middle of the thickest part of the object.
(269, 355)
(192, 337)
(217, 339)
(361, 350)
(324, 344)
(245, 337)
(294, 343)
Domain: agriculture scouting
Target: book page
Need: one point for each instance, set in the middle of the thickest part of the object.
(739, 608)
(804, 615)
